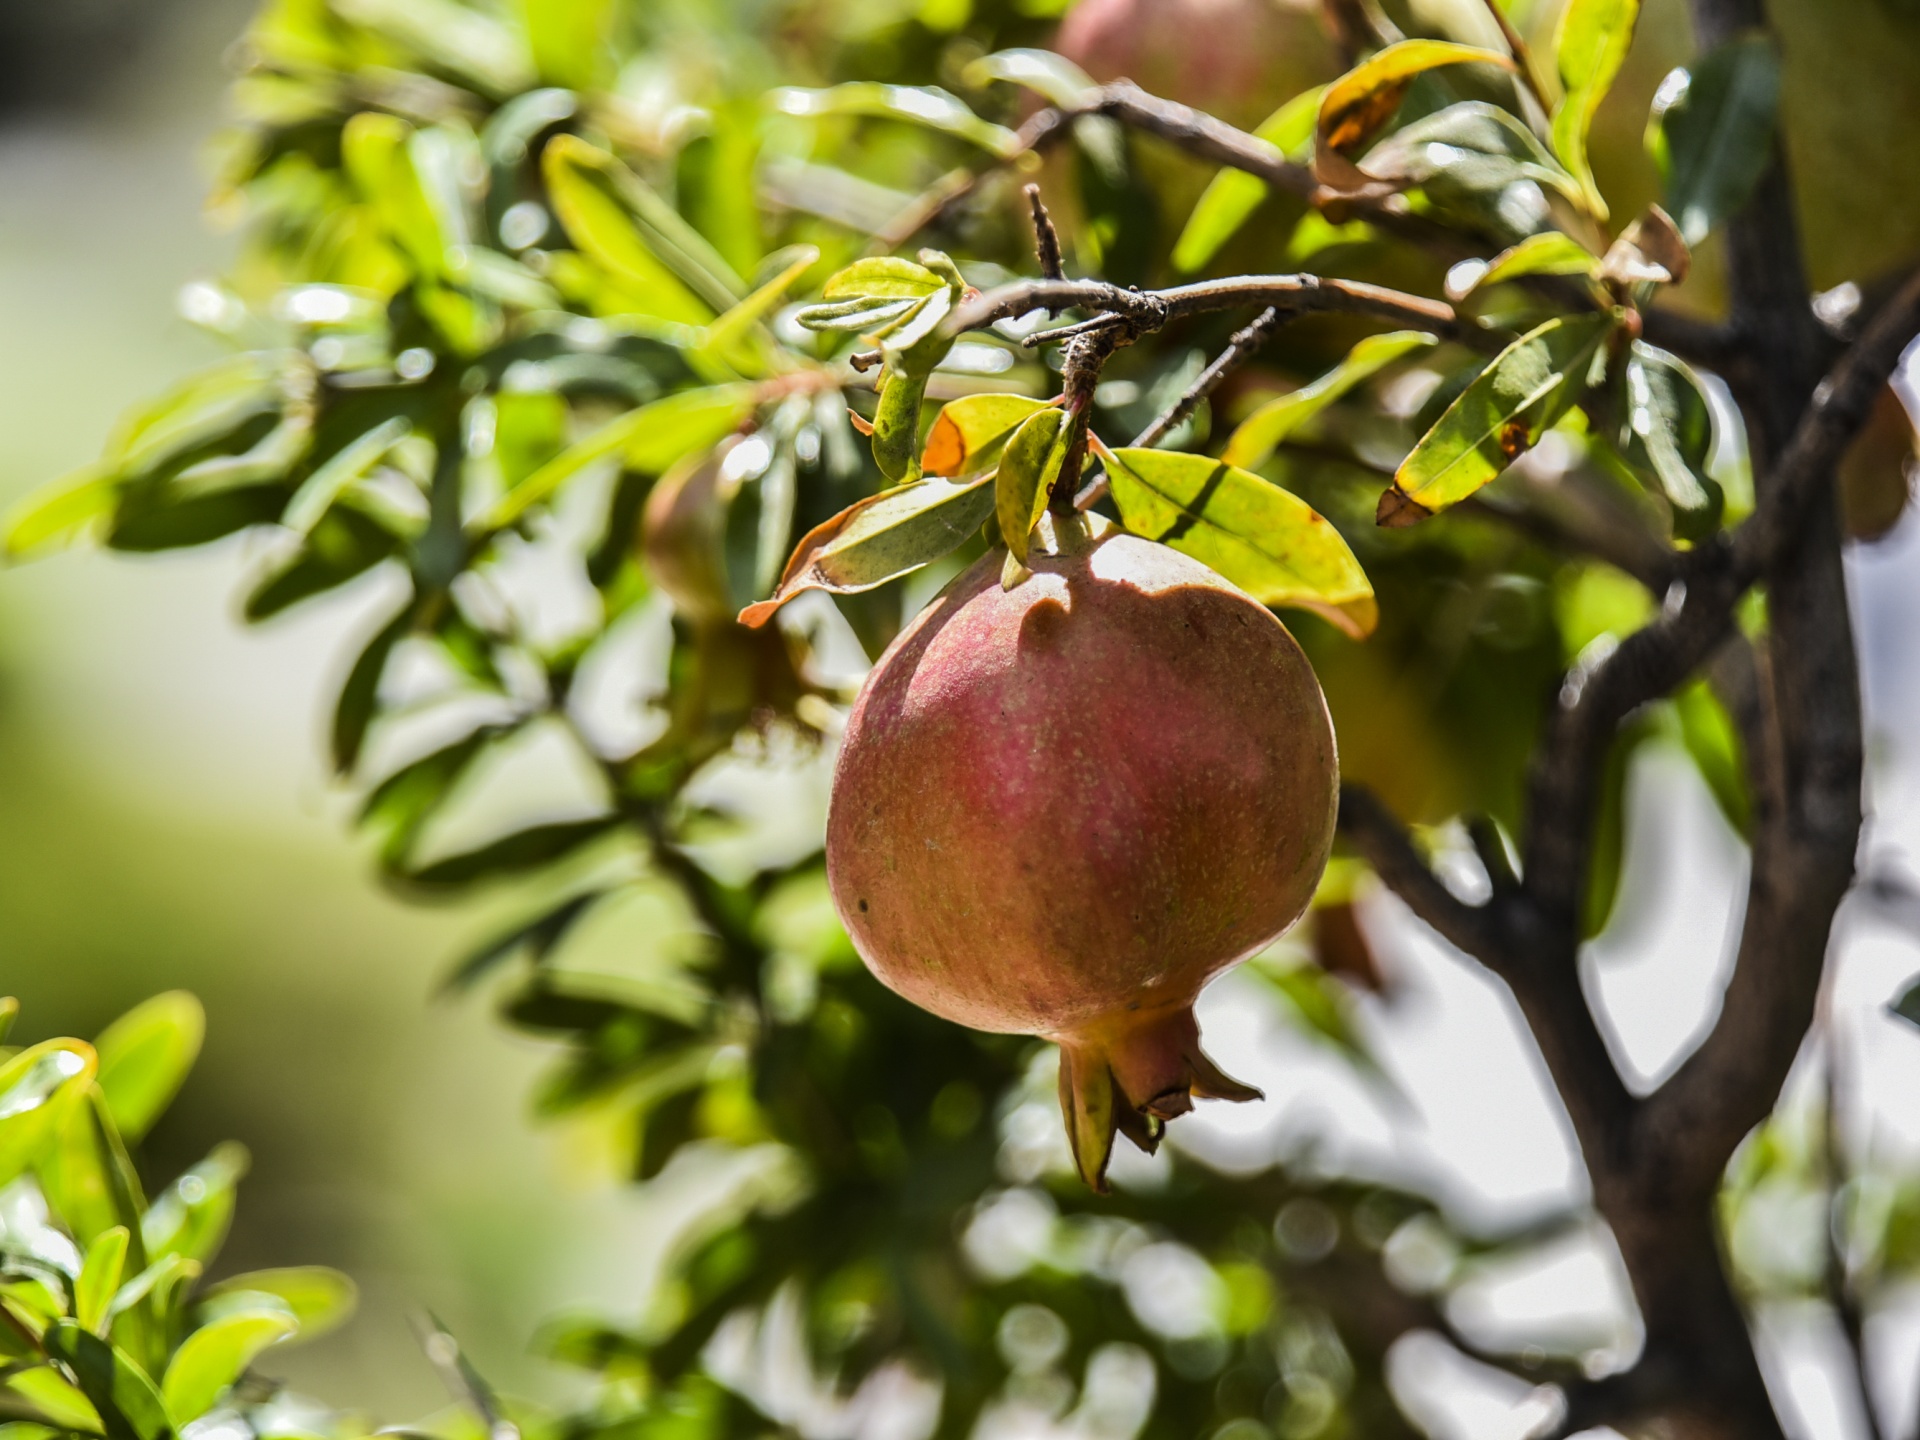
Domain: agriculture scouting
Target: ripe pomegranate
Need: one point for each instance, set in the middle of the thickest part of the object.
(1239, 59)
(1061, 808)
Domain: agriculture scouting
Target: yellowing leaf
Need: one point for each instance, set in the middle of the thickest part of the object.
(1356, 105)
(885, 277)
(969, 433)
(879, 538)
(1253, 443)
(1551, 252)
(1029, 466)
(1498, 418)
(1270, 543)
(1589, 44)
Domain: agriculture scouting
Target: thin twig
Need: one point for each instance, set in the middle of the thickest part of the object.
(1522, 56)
(1046, 239)
(1241, 348)
(1151, 310)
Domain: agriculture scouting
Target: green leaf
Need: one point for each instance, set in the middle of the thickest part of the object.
(184, 420)
(1232, 196)
(969, 434)
(1907, 1006)
(36, 1087)
(129, 1404)
(1607, 852)
(402, 803)
(99, 1278)
(614, 216)
(376, 153)
(1713, 741)
(537, 938)
(9, 1012)
(1029, 467)
(59, 515)
(50, 1396)
(862, 314)
(926, 105)
(513, 854)
(1711, 132)
(353, 710)
(217, 1354)
(1470, 146)
(1322, 1009)
(1256, 438)
(1499, 417)
(1668, 433)
(1589, 45)
(1270, 543)
(460, 38)
(883, 277)
(653, 437)
(1551, 252)
(88, 1177)
(727, 332)
(1056, 78)
(320, 1299)
(163, 1278)
(190, 1217)
(879, 539)
(145, 1056)
(352, 461)
(568, 40)
(1360, 102)
(344, 544)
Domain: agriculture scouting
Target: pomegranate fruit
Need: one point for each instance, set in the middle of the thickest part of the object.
(1238, 59)
(1061, 808)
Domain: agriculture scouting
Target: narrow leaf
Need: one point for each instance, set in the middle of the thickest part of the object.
(353, 711)
(653, 437)
(1270, 543)
(1649, 251)
(1052, 76)
(1590, 44)
(59, 515)
(1551, 252)
(863, 313)
(732, 327)
(1711, 132)
(32, 1085)
(513, 854)
(1233, 195)
(1498, 418)
(1669, 433)
(99, 1278)
(145, 1056)
(1029, 466)
(613, 216)
(1256, 438)
(927, 105)
(969, 434)
(1475, 146)
(879, 539)
(1359, 103)
(320, 1299)
(214, 1356)
(883, 277)
(537, 938)
(129, 1404)
(190, 1217)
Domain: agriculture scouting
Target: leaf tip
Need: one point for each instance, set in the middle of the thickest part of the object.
(1398, 510)
(761, 611)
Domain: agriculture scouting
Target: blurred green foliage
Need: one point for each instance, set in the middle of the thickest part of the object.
(519, 354)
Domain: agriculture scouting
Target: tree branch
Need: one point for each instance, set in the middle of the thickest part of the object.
(1241, 348)
(1151, 310)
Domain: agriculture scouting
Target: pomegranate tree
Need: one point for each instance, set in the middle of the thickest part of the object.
(1063, 807)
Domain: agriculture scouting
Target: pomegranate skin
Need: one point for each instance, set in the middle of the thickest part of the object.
(1060, 809)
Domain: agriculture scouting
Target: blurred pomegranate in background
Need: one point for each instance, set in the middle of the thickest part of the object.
(1239, 59)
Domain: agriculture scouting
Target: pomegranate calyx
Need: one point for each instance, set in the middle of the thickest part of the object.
(1131, 1079)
